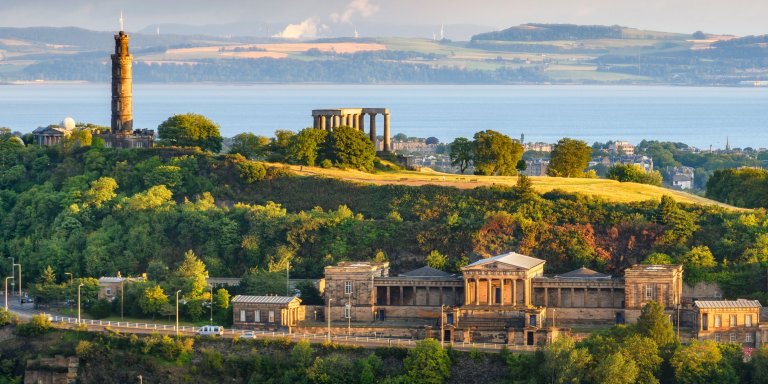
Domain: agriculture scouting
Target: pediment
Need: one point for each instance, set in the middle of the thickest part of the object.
(495, 266)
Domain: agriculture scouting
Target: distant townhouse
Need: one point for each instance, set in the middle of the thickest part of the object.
(681, 177)
(536, 167)
(622, 148)
(727, 321)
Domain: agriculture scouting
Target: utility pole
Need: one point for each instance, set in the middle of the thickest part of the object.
(177, 312)
(6, 292)
(19, 265)
(122, 296)
(442, 325)
(78, 302)
(211, 304)
(329, 319)
(288, 278)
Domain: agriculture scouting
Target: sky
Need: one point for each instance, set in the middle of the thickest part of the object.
(737, 17)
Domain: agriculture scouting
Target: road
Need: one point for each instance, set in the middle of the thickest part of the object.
(25, 311)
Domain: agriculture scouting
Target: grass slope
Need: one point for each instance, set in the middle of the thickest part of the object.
(610, 190)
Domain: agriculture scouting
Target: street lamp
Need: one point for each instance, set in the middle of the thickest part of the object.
(78, 302)
(122, 296)
(329, 319)
(141, 379)
(177, 312)
(349, 314)
(211, 304)
(19, 265)
(6, 292)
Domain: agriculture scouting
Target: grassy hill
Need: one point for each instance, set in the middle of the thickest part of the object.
(609, 190)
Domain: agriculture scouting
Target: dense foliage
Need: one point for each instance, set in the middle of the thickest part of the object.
(747, 187)
(633, 173)
(95, 211)
(190, 130)
(569, 158)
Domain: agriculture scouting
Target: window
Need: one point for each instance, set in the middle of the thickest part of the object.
(109, 292)
(733, 321)
(748, 320)
(717, 337)
(242, 315)
(718, 321)
(649, 292)
(748, 337)
(733, 337)
(347, 311)
(257, 316)
(271, 316)
(347, 287)
(532, 321)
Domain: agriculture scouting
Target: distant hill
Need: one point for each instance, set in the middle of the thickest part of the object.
(550, 32)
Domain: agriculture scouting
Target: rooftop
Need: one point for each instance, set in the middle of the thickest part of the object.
(263, 299)
(511, 258)
(426, 271)
(583, 273)
(740, 303)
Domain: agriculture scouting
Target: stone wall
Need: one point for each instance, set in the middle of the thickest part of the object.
(701, 290)
(584, 316)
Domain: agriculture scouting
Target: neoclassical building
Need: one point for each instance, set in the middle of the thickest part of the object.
(506, 298)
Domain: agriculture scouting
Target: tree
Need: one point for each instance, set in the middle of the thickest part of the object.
(48, 276)
(249, 145)
(261, 282)
(569, 158)
(657, 258)
(400, 137)
(700, 362)
(437, 260)
(565, 363)
(153, 300)
(303, 148)
(301, 355)
(427, 363)
(349, 147)
(101, 191)
(432, 140)
(278, 145)
(699, 257)
(633, 173)
(654, 323)
(496, 154)
(462, 153)
(617, 368)
(191, 276)
(190, 130)
(221, 299)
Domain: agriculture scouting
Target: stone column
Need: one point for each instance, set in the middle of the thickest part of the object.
(361, 122)
(489, 300)
(336, 121)
(546, 296)
(401, 296)
(559, 297)
(514, 292)
(372, 133)
(466, 291)
(389, 294)
(426, 299)
(477, 291)
(386, 133)
(573, 296)
(501, 282)
(315, 123)
(415, 297)
(453, 295)
(586, 290)
(323, 122)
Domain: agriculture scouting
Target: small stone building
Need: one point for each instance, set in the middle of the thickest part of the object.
(644, 283)
(267, 312)
(727, 321)
(350, 288)
(110, 286)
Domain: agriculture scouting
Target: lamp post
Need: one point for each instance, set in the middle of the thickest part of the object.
(442, 324)
(349, 314)
(211, 304)
(70, 277)
(122, 296)
(19, 265)
(678, 321)
(329, 319)
(6, 292)
(141, 379)
(177, 312)
(78, 302)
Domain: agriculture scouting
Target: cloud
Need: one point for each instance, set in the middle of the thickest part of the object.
(357, 7)
(307, 28)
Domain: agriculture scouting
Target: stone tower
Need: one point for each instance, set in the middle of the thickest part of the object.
(122, 87)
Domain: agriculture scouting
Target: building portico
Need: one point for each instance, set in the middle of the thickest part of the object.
(328, 119)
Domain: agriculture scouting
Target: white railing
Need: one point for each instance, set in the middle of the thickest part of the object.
(341, 339)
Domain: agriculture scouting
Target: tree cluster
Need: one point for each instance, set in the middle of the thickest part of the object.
(491, 153)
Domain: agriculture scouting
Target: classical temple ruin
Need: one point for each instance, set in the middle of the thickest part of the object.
(328, 119)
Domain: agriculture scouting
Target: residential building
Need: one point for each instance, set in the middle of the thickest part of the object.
(681, 177)
(111, 286)
(622, 148)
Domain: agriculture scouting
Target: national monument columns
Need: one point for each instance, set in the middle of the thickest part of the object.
(328, 119)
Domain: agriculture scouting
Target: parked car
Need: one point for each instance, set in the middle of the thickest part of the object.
(248, 335)
(211, 330)
(27, 299)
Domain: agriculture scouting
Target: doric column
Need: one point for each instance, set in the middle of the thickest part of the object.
(336, 121)
(599, 297)
(401, 296)
(477, 290)
(585, 296)
(453, 295)
(573, 297)
(514, 291)
(501, 282)
(389, 295)
(546, 296)
(559, 297)
(315, 122)
(386, 133)
(466, 291)
(322, 120)
(361, 122)
(489, 300)
(372, 133)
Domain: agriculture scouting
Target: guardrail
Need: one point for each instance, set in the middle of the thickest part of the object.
(243, 333)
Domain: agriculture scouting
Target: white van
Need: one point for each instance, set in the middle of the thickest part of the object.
(211, 330)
